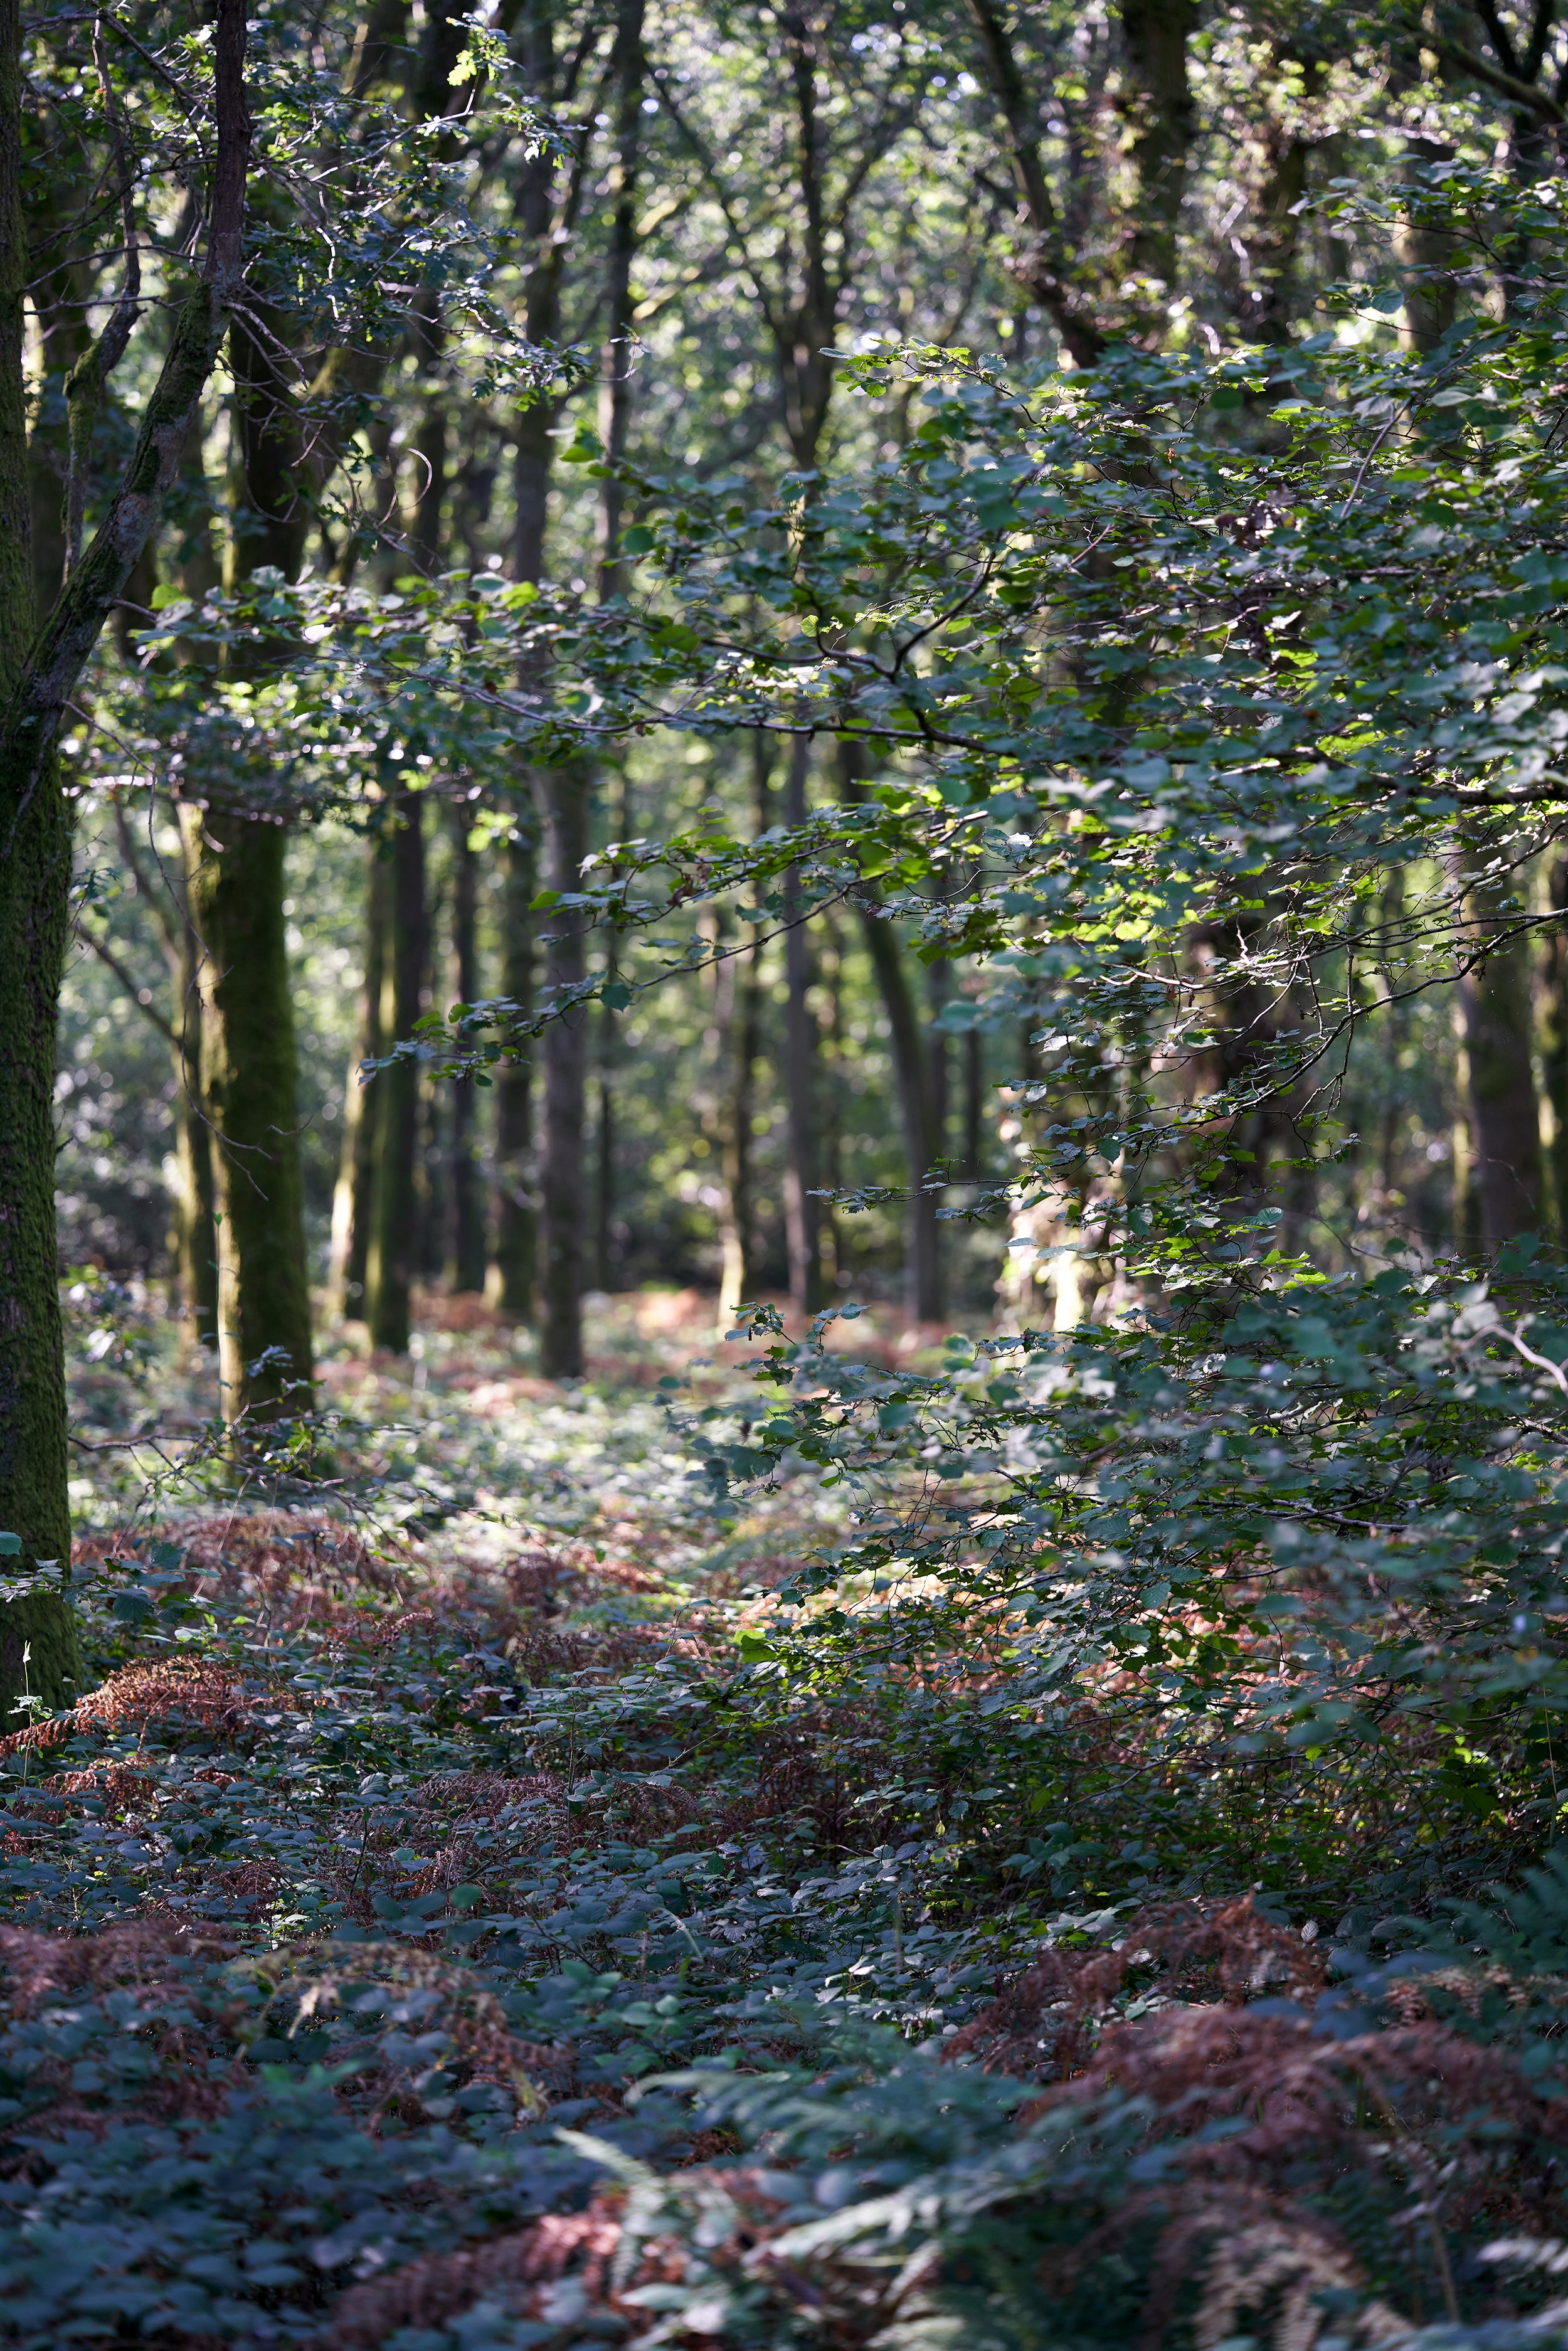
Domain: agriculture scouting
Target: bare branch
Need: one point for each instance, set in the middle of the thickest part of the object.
(84, 386)
(139, 996)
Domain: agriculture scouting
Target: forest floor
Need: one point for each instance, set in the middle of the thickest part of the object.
(461, 1446)
(448, 1922)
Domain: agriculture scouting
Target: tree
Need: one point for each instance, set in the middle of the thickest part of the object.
(38, 674)
(394, 1235)
(236, 853)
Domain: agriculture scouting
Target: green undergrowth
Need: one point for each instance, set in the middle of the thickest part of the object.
(546, 1867)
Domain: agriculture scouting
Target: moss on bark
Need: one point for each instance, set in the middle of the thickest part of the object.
(250, 1083)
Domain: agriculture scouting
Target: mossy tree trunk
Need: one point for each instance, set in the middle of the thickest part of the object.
(920, 1076)
(236, 855)
(1553, 1034)
(195, 1232)
(466, 1263)
(250, 1083)
(525, 1233)
(563, 1186)
(802, 1209)
(1495, 1005)
(353, 1203)
(394, 1232)
(1163, 121)
(38, 675)
(739, 1276)
(516, 1218)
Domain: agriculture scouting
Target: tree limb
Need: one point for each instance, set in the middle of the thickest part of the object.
(84, 385)
(1041, 270)
(127, 980)
(1498, 35)
(174, 944)
(60, 651)
(1535, 100)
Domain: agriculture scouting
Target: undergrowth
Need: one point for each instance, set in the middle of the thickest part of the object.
(471, 1906)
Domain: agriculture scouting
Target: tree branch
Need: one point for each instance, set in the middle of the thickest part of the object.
(172, 943)
(127, 980)
(1041, 270)
(60, 651)
(1540, 34)
(1535, 100)
(1498, 35)
(84, 385)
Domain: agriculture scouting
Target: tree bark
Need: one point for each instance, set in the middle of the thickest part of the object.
(974, 1106)
(237, 857)
(921, 1081)
(1162, 119)
(466, 1265)
(38, 675)
(803, 1210)
(394, 1234)
(615, 353)
(563, 804)
(738, 1272)
(516, 1176)
(353, 1201)
(1504, 1115)
(548, 225)
(1041, 263)
(196, 1230)
(917, 1116)
(1553, 1029)
(250, 1080)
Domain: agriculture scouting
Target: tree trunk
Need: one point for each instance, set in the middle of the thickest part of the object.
(564, 794)
(562, 804)
(395, 1233)
(615, 353)
(250, 1080)
(195, 1233)
(917, 1116)
(1041, 261)
(516, 1214)
(547, 222)
(236, 858)
(739, 1272)
(1161, 120)
(466, 1265)
(803, 1219)
(38, 676)
(353, 1201)
(432, 1191)
(1505, 1119)
(1553, 1029)
(921, 1080)
(974, 1106)
(614, 423)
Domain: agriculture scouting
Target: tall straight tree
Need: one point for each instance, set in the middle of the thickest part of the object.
(39, 670)
(237, 861)
(394, 1258)
(353, 1202)
(551, 206)
(1495, 1004)
(818, 164)
(802, 1207)
(738, 1278)
(919, 1076)
(1085, 301)
(394, 1231)
(614, 425)
(465, 1257)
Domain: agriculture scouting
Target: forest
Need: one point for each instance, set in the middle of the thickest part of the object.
(784, 1175)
